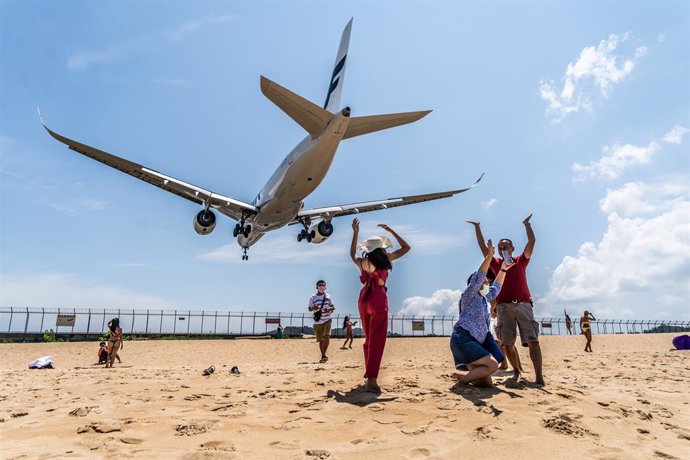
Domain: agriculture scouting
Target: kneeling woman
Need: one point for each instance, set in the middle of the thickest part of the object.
(472, 344)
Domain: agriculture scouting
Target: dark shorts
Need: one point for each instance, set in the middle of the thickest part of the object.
(466, 349)
(514, 316)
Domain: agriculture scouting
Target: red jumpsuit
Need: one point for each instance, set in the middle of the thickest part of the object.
(373, 310)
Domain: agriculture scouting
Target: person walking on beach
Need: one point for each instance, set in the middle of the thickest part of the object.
(347, 325)
(587, 329)
(472, 345)
(374, 266)
(515, 309)
(568, 323)
(321, 305)
(114, 341)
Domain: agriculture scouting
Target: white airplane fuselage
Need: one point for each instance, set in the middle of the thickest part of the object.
(299, 174)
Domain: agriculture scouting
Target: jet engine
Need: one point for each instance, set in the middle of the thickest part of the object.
(321, 231)
(204, 222)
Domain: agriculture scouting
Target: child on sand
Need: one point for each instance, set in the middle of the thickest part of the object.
(102, 353)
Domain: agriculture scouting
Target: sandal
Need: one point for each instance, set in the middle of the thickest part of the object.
(209, 370)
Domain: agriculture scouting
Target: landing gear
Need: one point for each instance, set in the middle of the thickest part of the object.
(305, 234)
(241, 229)
(244, 254)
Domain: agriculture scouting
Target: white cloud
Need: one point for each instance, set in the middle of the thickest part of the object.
(617, 158)
(638, 198)
(53, 290)
(488, 204)
(193, 26)
(640, 268)
(597, 68)
(675, 136)
(661, 38)
(83, 59)
(441, 302)
(74, 207)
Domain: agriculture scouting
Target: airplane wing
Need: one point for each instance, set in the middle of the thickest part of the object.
(225, 205)
(329, 213)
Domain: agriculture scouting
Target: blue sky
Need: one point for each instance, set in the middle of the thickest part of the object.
(578, 112)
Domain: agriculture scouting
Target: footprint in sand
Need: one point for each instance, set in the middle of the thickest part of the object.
(292, 424)
(317, 453)
(131, 440)
(218, 445)
(419, 452)
(483, 433)
(563, 424)
(414, 431)
(194, 427)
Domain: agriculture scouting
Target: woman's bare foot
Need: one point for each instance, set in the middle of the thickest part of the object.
(456, 375)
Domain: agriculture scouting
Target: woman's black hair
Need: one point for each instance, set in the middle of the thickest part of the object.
(489, 275)
(347, 318)
(114, 324)
(379, 259)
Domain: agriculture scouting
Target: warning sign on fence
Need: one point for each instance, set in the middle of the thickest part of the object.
(65, 320)
(417, 325)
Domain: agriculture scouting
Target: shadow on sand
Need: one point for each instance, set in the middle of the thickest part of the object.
(358, 397)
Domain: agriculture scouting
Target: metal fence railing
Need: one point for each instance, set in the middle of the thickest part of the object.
(17, 322)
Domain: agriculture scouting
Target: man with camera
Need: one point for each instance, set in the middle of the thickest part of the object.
(321, 305)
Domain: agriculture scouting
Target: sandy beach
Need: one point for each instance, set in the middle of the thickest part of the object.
(628, 399)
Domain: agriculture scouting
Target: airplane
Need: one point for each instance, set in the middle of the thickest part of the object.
(281, 201)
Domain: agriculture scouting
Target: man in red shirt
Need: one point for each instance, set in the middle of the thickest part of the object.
(515, 301)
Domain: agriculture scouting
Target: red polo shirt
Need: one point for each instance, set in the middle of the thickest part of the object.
(515, 284)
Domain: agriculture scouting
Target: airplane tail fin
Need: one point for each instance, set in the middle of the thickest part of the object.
(335, 86)
(364, 125)
(308, 115)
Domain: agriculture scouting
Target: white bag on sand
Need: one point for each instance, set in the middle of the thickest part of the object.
(44, 362)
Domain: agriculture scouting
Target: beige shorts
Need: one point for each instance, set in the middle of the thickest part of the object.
(322, 330)
(520, 315)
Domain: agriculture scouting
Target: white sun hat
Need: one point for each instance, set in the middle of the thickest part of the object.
(375, 242)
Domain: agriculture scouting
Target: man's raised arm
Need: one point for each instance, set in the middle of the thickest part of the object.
(480, 237)
(530, 237)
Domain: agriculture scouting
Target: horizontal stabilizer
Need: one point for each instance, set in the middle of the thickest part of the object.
(308, 115)
(365, 125)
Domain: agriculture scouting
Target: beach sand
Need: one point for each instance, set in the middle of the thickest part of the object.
(628, 399)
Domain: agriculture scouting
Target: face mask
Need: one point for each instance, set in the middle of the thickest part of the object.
(484, 290)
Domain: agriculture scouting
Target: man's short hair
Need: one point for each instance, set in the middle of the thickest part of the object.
(320, 282)
(506, 239)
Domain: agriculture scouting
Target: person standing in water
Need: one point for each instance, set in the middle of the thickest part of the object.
(374, 266)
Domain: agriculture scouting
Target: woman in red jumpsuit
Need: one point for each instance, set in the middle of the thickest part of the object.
(373, 299)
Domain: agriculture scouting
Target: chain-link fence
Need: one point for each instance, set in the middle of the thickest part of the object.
(74, 323)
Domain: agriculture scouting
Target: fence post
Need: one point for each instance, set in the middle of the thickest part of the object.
(134, 318)
(146, 332)
(56, 326)
(189, 320)
(88, 323)
(103, 325)
(43, 314)
(174, 322)
(26, 323)
(302, 323)
(254, 324)
(202, 322)
(215, 323)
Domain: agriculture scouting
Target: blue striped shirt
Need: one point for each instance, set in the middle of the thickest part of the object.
(474, 308)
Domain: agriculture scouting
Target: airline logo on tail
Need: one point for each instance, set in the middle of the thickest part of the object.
(335, 78)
